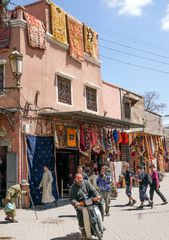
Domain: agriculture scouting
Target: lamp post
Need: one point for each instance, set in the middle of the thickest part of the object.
(16, 66)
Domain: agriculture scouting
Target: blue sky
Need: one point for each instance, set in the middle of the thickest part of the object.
(132, 30)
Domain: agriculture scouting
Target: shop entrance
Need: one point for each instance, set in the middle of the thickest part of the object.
(66, 166)
(3, 172)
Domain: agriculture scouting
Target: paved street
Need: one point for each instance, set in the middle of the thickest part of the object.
(124, 223)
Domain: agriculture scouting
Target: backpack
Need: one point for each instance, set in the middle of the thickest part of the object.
(149, 179)
(160, 176)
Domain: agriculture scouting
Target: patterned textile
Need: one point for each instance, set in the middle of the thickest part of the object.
(90, 41)
(59, 30)
(36, 32)
(72, 140)
(40, 151)
(60, 132)
(4, 37)
(75, 35)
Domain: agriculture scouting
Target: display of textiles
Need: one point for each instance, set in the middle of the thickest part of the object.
(58, 18)
(61, 135)
(115, 135)
(72, 140)
(125, 152)
(90, 41)
(160, 163)
(4, 37)
(75, 36)
(118, 170)
(36, 32)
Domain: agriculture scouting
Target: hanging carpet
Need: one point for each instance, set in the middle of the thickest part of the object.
(90, 42)
(36, 32)
(75, 35)
(58, 18)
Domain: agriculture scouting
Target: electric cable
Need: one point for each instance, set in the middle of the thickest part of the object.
(135, 65)
(134, 55)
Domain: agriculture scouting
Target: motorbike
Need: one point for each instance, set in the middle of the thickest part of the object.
(92, 219)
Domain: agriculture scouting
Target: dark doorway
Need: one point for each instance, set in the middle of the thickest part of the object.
(66, 166)
(3, 163)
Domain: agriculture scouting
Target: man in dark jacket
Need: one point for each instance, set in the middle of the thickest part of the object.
(104, 182)
(142, 178)
(80, 191)
(129, 175)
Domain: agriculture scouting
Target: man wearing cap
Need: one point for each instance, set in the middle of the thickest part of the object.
(12, 194)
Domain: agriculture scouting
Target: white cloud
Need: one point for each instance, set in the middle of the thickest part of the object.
(165, 20)
(128, 7)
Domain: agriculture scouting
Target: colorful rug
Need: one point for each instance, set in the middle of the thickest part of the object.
(36, 32)
(75, 35)
(90, 42)
(58, 19)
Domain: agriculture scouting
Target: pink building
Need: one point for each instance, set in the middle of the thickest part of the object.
(60, 114)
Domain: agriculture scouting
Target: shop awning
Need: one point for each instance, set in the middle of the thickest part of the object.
(79, 116)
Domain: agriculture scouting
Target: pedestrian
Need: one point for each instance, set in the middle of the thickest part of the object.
(12, 194)
(143, 179)
(93, 179)
(155, 186)
(81, 171)
(46, 185)
(104, 182)
(129, 176)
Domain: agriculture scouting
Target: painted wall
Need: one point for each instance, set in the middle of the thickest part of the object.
(137, 107)
(40, 69)
(111, 100)
(153, 123)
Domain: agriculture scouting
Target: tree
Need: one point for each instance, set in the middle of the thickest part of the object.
(151, 102)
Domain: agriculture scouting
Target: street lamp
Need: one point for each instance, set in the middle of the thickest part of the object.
(16, 65)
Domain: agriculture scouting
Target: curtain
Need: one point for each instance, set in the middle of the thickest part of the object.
(40, 151)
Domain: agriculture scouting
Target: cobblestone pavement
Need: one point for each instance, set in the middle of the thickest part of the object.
(124, 223)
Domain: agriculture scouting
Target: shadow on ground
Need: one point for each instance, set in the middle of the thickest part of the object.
(72, 236)
(4, 222)
(63, 216)
(60, 203)
(118, 205)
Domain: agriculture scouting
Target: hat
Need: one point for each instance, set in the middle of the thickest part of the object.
(24, 182)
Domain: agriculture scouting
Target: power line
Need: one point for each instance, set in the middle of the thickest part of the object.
(136, 49)
(135, 65)
(131, 38)
(134, 55)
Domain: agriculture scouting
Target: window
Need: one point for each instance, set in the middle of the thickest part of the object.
(127, 109)
(91, 99)
(1, 77)
(64, 90)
